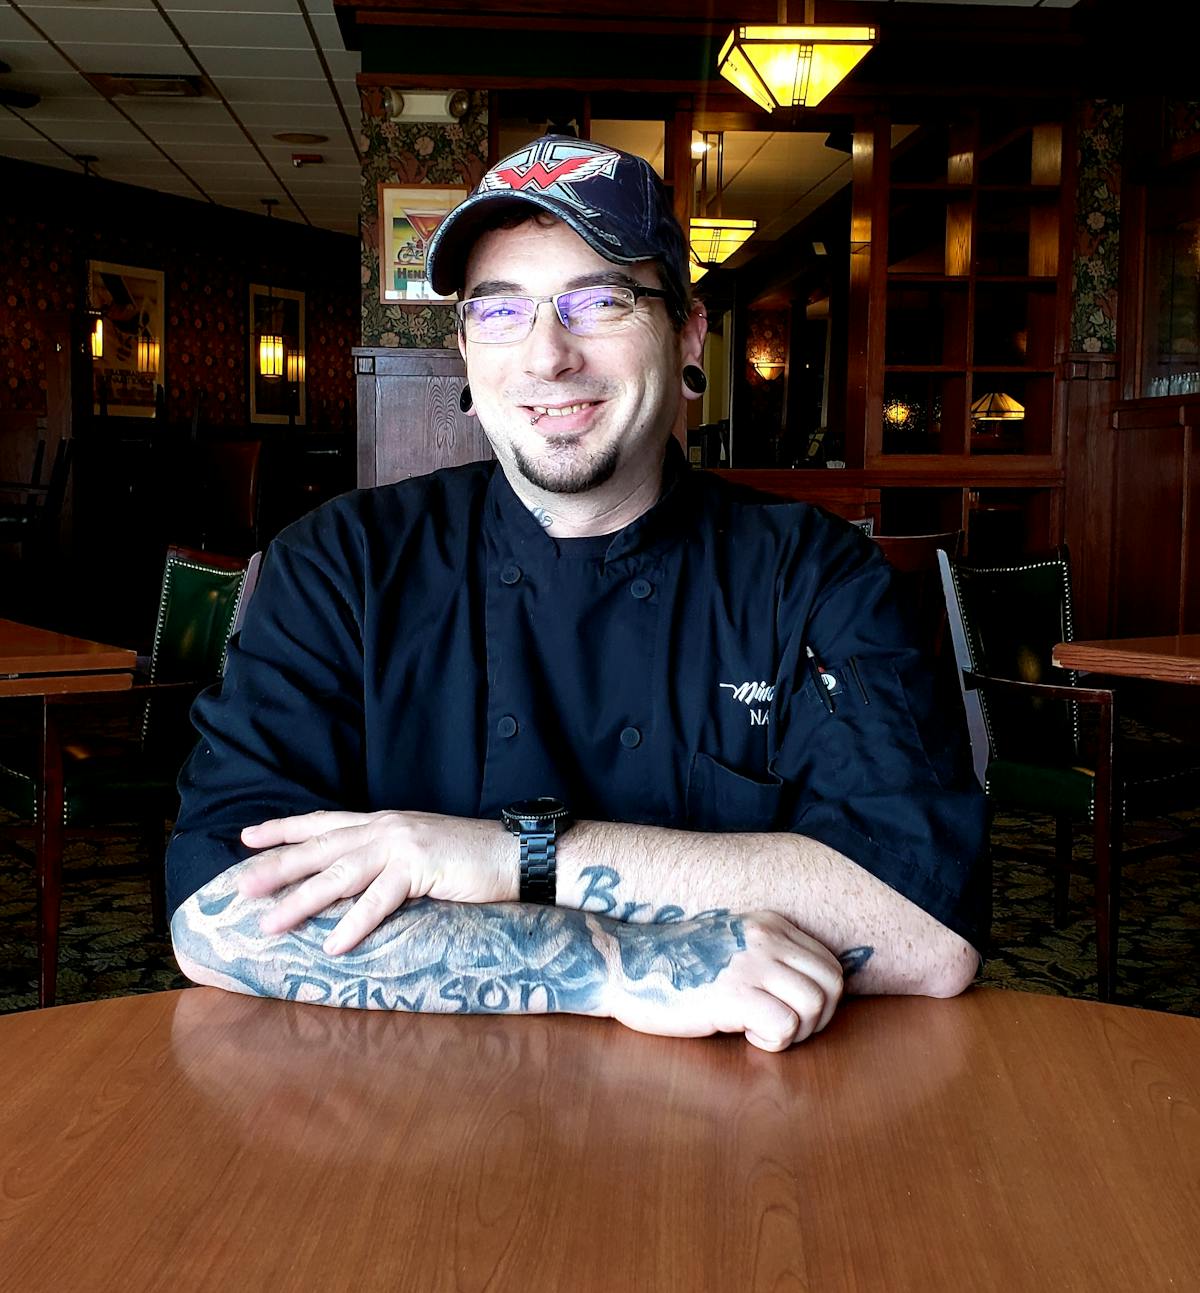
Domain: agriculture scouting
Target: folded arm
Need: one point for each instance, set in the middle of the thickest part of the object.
(631, 874)
(751, 973)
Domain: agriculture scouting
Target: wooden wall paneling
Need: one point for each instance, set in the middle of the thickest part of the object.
(409, 419)
(1189, 609)
(1148, 563)
(866, 307)
(1088, 390)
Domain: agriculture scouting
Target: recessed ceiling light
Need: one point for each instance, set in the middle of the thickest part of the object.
(300, 137)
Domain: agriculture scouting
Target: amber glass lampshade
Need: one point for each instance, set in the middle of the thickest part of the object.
(792, 66)
(715, 240)
(270, 355)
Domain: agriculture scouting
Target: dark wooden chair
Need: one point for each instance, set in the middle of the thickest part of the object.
(31, 511)
(1031, 746)
(915, 559)
(229, 495)
(59, 787)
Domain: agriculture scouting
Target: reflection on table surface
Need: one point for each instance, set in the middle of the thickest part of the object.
(996, 1140)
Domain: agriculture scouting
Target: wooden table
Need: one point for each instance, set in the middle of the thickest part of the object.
(199, 1140)
(37, 662)
(1166, 659)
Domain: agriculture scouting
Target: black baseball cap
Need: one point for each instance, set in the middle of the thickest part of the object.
(613, 200)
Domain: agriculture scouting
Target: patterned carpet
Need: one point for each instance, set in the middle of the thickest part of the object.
(108, 948)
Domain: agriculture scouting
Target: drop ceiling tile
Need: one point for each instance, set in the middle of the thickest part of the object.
(103, 129)
(288, 64)
(160, 60)
(55, 84)
(14, 28)
(202, 113)
(343, 66)
(83, 24)
(328, 31)
(252, 89)
(39, 7)
(271, 118)
(251, 30)
(178, 137)
(14, 127)
(27, 56)
(174, 7)
(31, 149)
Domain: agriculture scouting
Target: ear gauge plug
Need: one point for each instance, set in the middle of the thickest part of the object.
(694, 379)
(466, 401)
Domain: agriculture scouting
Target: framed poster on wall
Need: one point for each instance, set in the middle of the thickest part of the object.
(277, 378)
(408, 215)
(128, 343)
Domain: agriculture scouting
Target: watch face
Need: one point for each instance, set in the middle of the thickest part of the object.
(536, 810)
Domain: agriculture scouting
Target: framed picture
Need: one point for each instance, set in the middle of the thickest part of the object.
(408, 215)
(277, 384)
(128, 344)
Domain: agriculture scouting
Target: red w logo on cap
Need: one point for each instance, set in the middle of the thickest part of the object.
(541, 176)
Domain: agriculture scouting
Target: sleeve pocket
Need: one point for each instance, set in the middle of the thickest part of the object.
(720, 799)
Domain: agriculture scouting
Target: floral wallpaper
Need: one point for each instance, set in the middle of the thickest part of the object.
(1094, 274)
(1181, 119)
(422, 153)
(208, 262)
(39, 266)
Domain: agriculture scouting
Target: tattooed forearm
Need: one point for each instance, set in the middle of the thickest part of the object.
(854, 958)
(503, 958)
(600, 895)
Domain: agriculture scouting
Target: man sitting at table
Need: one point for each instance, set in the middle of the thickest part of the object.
(579, 730)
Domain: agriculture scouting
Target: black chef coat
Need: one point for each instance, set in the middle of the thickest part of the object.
(427, 645)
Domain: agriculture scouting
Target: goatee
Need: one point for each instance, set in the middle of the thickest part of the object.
(562, 472)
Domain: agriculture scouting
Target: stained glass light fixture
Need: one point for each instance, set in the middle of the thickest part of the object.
(713, 239)
(995, 406)
(792, 65)
(147, 354)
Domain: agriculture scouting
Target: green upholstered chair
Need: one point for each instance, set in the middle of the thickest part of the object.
(1034, 750)
(59, 785)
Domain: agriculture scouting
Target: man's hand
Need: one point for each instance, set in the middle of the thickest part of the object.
(753, 973)
(384, 859)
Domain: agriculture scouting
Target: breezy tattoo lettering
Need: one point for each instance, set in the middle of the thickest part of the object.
(600, 896)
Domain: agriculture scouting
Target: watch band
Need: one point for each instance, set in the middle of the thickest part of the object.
(539, 870)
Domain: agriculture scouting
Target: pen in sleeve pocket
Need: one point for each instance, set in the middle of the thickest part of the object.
(852, 664)
(815, 669)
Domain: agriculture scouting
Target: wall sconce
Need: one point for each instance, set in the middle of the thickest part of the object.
(270, 355)
(147, 355)
(295, 367)
(768, 369)
(97, 336)
(995, 406)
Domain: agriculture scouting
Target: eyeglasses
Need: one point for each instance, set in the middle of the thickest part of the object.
(584, 312)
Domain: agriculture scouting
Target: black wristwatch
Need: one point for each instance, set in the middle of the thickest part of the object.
(538, 823)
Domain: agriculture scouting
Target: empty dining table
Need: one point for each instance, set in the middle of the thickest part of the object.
(1175, 658)
(202, 1140)
(39, 662)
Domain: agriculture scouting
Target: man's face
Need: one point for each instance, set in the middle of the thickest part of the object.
(604, 405)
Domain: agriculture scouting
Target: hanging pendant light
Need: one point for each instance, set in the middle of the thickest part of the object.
(996, 406)
(270, 344)
(713, 239)
(792, 65)
(147, 354)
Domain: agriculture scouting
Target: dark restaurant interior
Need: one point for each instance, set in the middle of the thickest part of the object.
(957, 299)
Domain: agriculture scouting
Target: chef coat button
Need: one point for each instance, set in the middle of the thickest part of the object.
(641, 588)
(510, 574)
(631, 738)
(507, 726)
